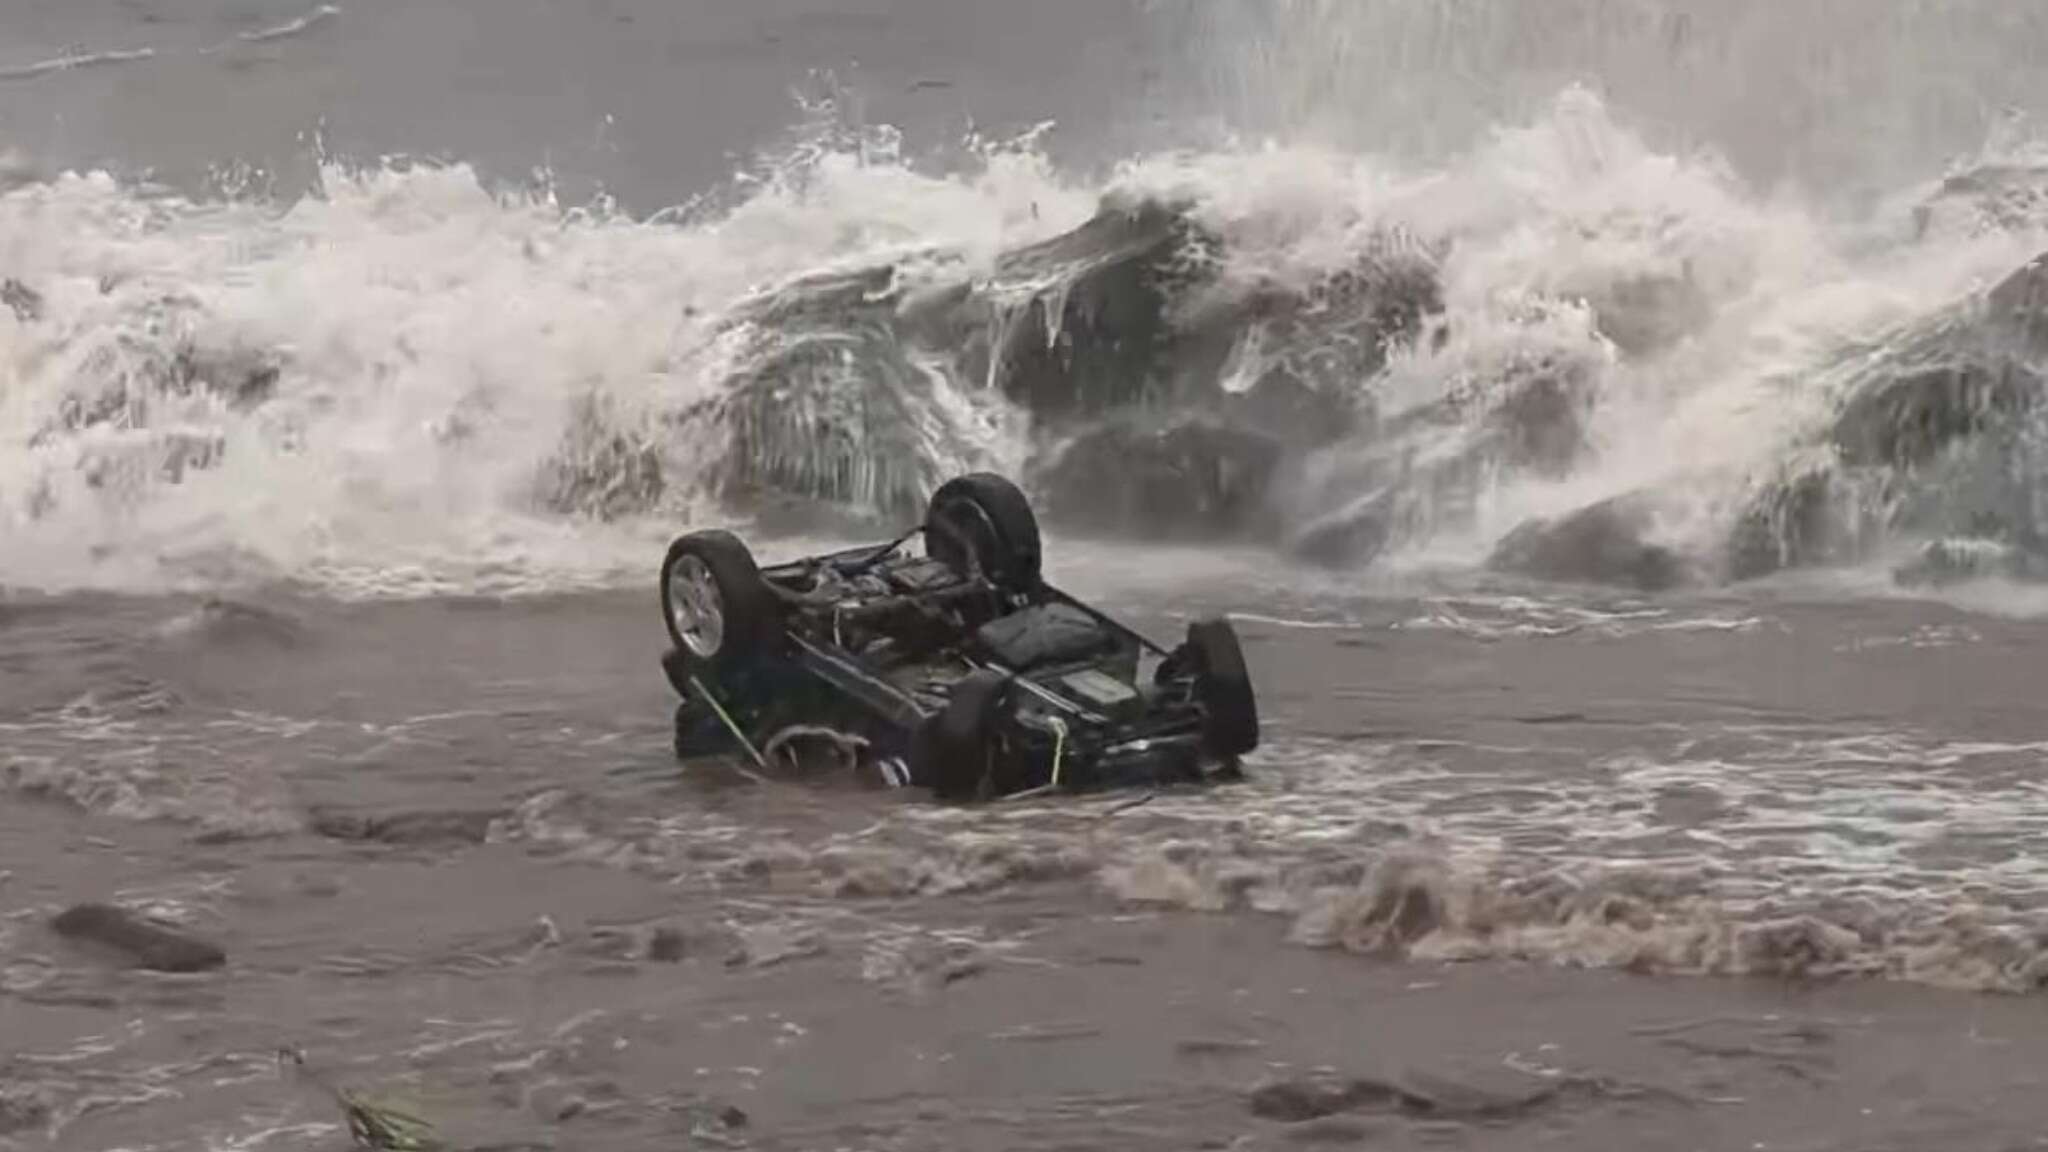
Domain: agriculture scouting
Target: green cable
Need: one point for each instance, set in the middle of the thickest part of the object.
(730, 726)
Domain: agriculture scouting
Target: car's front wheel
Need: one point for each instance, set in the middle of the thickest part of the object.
(718, 610)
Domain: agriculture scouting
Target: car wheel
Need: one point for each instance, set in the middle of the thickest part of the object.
(951, 753)
(719, 612)
(983, 521)
(699, 732)
(1224, 687)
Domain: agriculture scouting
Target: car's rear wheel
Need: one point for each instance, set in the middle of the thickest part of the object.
(1224, 687)
(982, 521)
(719, 612)
(953, 753)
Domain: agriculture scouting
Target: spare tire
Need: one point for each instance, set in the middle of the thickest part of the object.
(983, 522)
(1224, 687)
(718, 610)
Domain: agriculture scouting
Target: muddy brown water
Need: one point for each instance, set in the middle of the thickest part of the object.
(1536, 871)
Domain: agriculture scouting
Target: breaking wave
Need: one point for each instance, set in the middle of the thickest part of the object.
(1563, 351)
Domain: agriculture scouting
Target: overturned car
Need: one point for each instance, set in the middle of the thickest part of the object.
(955, 668)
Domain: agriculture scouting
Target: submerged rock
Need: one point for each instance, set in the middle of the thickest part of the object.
(407, 828)
(1300, 1099)
(1599, 544)
(1348, 538)
(25, 1108)
(1940, 563)
(141, 943)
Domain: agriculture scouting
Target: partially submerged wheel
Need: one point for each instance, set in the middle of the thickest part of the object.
(983, 522)
(953, 752)
(1224, 687)
(719, 612)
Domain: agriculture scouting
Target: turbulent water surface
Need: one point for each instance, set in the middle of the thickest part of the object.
(1616, 427)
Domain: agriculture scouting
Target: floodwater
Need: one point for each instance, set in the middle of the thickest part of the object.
(305, 668)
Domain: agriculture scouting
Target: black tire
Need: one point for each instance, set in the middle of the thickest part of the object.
(747, 611)
(1224, 686)
(982, 520)
(952, 752)
(699, 731)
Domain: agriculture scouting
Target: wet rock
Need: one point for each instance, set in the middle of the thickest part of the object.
(665, 946)
(834, 403)
(1090, 330)
(141, 943)
(604, 469)
(1984, 199)
(1788, 524)
(1349, 538)
(1600, 544)
(708, 1117)
(234, 622)
(1936, 438)
(1645, 315)
(406, 828)
(1332, 1130)
(1800, 946)
(24, 1108)
(244, 377)
(25, 302)
(1300, 1099)
(1940, 563)
(1539, 423)
(1193, 478)
(1905, 420)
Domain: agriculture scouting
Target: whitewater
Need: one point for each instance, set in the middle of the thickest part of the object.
(413, 378)
(1614, 426)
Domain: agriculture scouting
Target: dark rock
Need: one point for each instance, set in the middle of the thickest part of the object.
(1987, 198)
(25, 302)
(23, 1109)
(1332, 1130)
(1600, 544)
(1538, 425)
(1645, 315)
(1304, 1099)
(705, 1115)
(244, 377)
(1974, 370)
(1295, 1100)
(406, 828)
(665, 946)
(1098, 339)
(601, 471)
(1341, 542)
(1935, 439)
(141, 943)
(1789, 524)
(1943, 562)
(226, 621)
(1195, 478)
